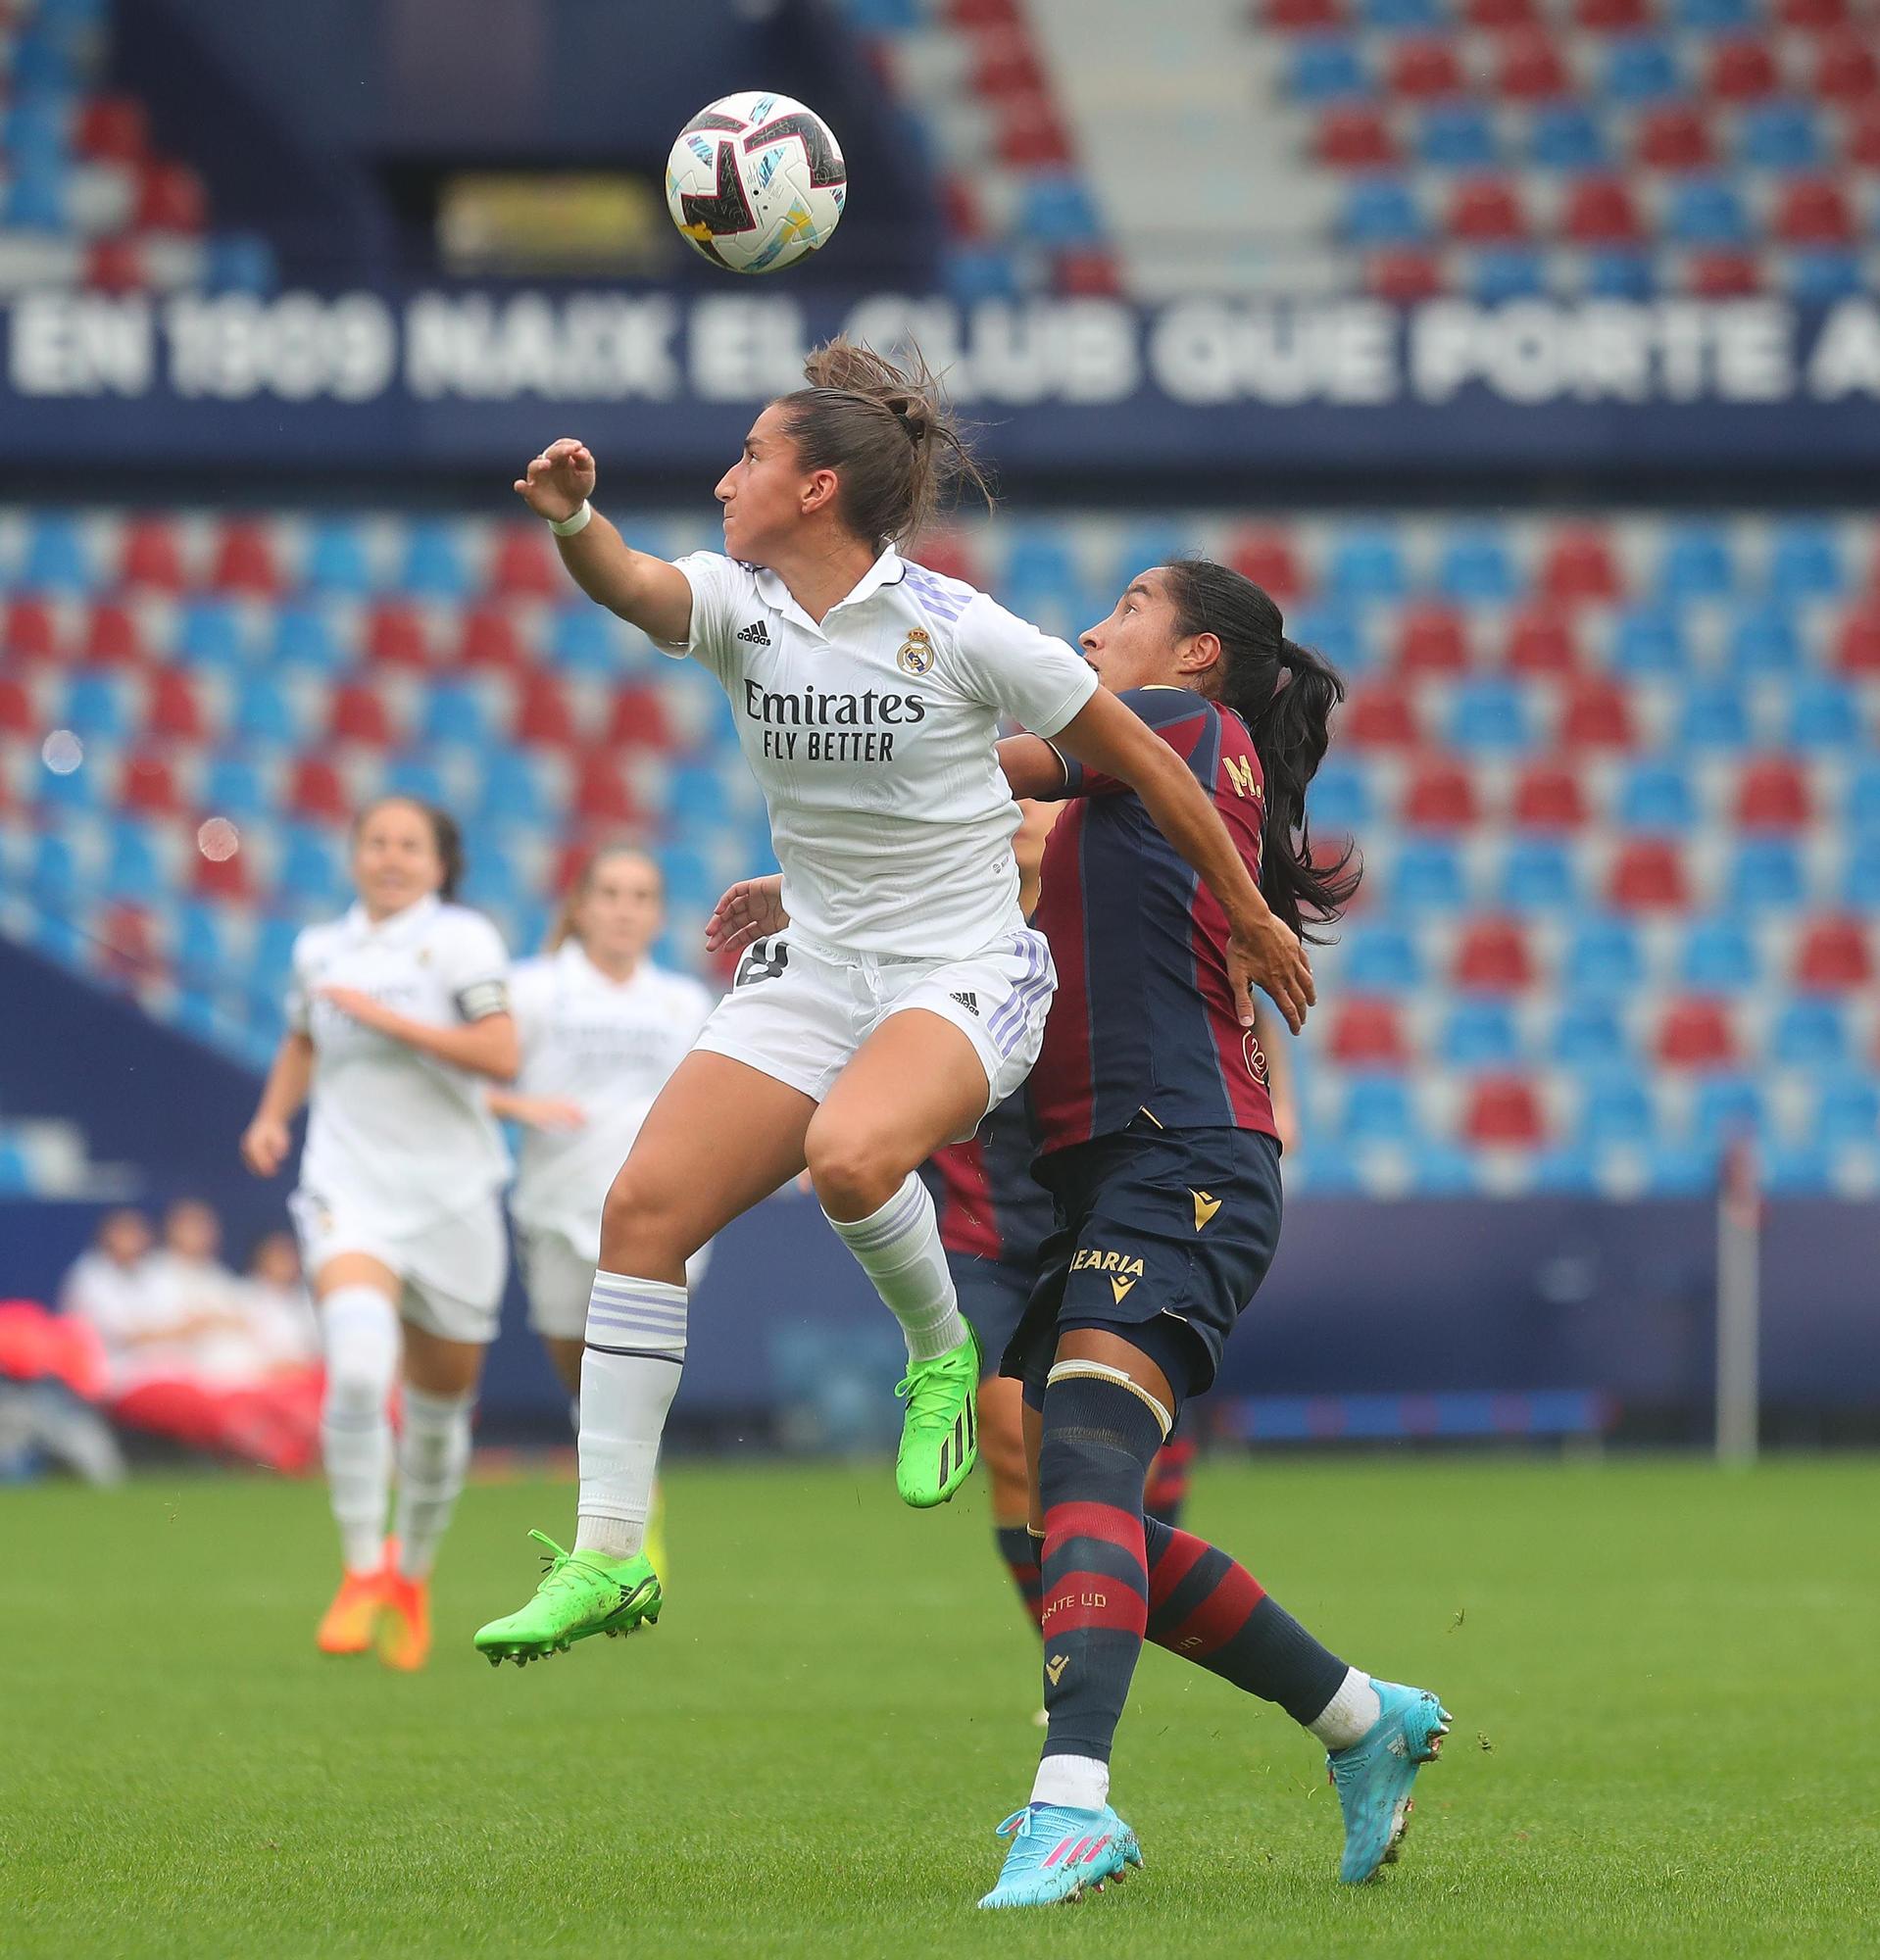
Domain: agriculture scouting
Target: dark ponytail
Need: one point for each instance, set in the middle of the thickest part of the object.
(887, 432)
(445, 835)
(1285, 693)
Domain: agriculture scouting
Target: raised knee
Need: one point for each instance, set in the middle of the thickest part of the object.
(854, 1173)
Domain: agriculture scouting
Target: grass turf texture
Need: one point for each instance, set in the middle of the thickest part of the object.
(1665, 1738)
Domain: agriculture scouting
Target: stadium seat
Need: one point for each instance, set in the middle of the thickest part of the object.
(1430, 876)
(1504, 273)
(1589, 1036)
(638, 720)
(1615, 1110)
(304, 637)
(208, 634)
(1860, 880)
(96, 701)
(1773, 794)
(312, 867)
(1382, 211)
(1454, 137)
(1269, 560)
(1726, 1108)
(1650, 639)
(1377, 1110)
(1367, 1034)
(1824, 714)
(1339, 802)
(523, 565)
(1541, 641)
(1503, 1112)
(147, 785)
(1604, 959)
(1493, 956)
(1836, 956)
(1847, 1112)
(1567, 136)
(395, 636)
(1845, 70)
(1813, 211)
(1656, 797)
(243, 560)
(1337, 631)
(1696, 1033)
(513, 789)
(1805, 561)
(357, 713)
(1640, 69)
(1324, 67)
(232, 786)
(1490, 713)
(1766, 874)
(336, 561)
(1706, 211)
(1403, 277)
(57, 557)
(113, 636)
(1381, 959)
(1549, 796)
(1596, 713)
(1696, 563)
(601, 795)
(1718, 956)
(1538, 876)
(1486, 211)
(150, 557)
(1441, 796)
(1433, 640)
(1579, 564)
(1474, 568)
(455, 711)
(1530, 68)
(317, 790)
(581, 639)
(1675, 137)
(1479, 1034)
(1716, 717)
(1379, 714)
(1648, 875)
(134, 871)
(1809, 1033)
(1742, 70)
(173, 706)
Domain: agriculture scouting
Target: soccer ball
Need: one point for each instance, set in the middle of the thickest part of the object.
(754, 181)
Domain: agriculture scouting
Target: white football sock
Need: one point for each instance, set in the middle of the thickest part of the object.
(899, 1248)
(1351, 1714)
(359, 1331)
(629, 1375)
(1075, 1783)
(434, 1453)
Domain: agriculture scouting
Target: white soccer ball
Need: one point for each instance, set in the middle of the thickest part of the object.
(754, 181)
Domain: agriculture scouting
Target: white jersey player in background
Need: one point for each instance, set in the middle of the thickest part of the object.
(398, 1019)
(906, 996)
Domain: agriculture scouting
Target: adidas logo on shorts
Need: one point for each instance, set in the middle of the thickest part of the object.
(970, 1001)
(756, 634)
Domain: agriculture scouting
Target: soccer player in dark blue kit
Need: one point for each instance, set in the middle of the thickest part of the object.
(1159, 1146)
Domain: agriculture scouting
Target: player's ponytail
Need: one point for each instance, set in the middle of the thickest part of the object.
(1285, 693)
(888, 433)
(445, 836)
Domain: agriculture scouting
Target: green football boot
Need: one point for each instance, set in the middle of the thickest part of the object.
(582, 1593)
(939, 1434)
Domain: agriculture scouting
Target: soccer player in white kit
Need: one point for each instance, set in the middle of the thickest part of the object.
(906, 996)
(398, 1019)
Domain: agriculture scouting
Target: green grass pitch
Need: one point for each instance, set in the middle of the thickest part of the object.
(1664, 1680)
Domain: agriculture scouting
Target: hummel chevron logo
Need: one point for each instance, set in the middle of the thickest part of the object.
(1055, 1666)
(1206, 1205)
(1120, 1287)
(756, 634)
(970, 1001)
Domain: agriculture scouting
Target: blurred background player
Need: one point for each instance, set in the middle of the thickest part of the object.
(1160, 1149)
(399, 1018)
(601, 1027)
(910, 995)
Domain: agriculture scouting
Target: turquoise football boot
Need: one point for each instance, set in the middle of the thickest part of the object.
(1373, 1777)
(1058, 1854)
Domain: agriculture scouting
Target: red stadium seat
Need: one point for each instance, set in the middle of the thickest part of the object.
(1540, 641)
(1424, 67)
(601, 794)
(1724, 276)
(220, 877)
(1493, 956)
(1580, 564)
(1029, 135)
(1503, 1112)
(147, 786)
(1433, 640)
(491, 640)
(1355, 136)
(1611, 16)
(1835, 956)
(1857, 649)
(1311, 17)
(526, 566)
(1531, 69)
(1743, 69)
(1696, 1033)
(1440, 796)
(358, 715)
(1648, 875)
(1089, 274)
(175, 709)
(1600, 211)
(1268, 559)
(1550, 796)
(1813, 211)
(1487, 210)
(244, 560)
(1813, 15)
(125, 946)
(1597, 713)
(18, 712)
(317, 790)
(1006, 64)
(951, 554)
(543, 716)
(152, 557)
(1862, 142)
(114, 128)
(1379, 716)
(1499, 16)
(115, 265)
(1773, 794)
(638, 720)
(171, 198)
(1847, 69)
(31, 633)
(1675, 137)
(1403, 277)
(1369, 1034)
(113, 636)
(960, 209)
(395, 636)
(985, 13)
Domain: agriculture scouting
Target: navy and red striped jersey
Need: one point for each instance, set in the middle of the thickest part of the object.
(1144, 1017)
(989, 1204)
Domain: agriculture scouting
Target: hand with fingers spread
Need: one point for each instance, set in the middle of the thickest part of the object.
(753, 908)
(559, 480)
(1265, 952)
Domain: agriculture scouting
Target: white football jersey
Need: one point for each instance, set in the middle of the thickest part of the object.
(609, 1046)
(397, 1138)
(872, 738)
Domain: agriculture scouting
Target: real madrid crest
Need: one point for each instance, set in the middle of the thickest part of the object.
(916, 654)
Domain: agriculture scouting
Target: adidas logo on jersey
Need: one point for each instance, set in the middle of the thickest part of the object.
(756, 634)
(970, 1001)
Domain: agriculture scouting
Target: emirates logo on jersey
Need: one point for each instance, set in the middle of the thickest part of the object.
(916, 655)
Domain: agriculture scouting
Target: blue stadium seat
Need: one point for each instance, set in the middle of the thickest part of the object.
(15, 1173)
(1567, 136)
(690, 880)
(1640, 69)
(490, 881)
(432, 566)
(53, 874)
(271, 968)
(1538, 875)
(1847, 1110)
(513, 788)
(1382, 211)
(1618, 273)
(582, 640)
(1338, 632)
(1377, 1110)
(1657, 796)
(1616, 1109)
(1326, 68)
(1056, 210)
(96, 703)
(1507, 272)
(336, 560)
(1365, 562)
(1765, 639)
(209, 635)
(982, 272)
(312, 866)
(884, 16)
(133, 869)
(1765, 876)
(1339, 802)
(232, 787)
(263, 712)
(1795, 1168)
(1779, 136)
(1490, 713)
(1589, 1036)
(1804, 560)
(1428, 877)
(1810, 1031)
(1716, 717)
(39, 198)
(1475, 568)
(1457, 137)
(1715, 17)
(1725, 1107)
(1479, 1034)
(1861, 805)
(304, 637)
(57, 559)
(1604, 959)
(1680, 1170)
(1405, 16)
(36, 135)
(1718, 956)
(58, 936)
(1823, 278)
(201, 944)
(1824, 714)
(1381, 959)
(1707, 212)
(455, 711)
(1140, 547)
(1695, 562)
(1650, 639)
(240, 261)
(695, 798)
(72, 790)
(1860, 882)
(418, 776)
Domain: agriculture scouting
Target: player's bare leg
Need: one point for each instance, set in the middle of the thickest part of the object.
(915, 1084)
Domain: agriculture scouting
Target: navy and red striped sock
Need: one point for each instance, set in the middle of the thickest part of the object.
(1210, 1610)
(1099, 1437)
(1019, 1551)
(1168, 1488)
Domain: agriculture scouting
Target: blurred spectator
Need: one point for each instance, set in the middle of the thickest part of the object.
(278, 1307)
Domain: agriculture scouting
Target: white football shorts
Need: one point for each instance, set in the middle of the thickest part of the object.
(453, 1271)
(798, 1012)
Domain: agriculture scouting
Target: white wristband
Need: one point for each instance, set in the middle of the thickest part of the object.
(566, 528)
